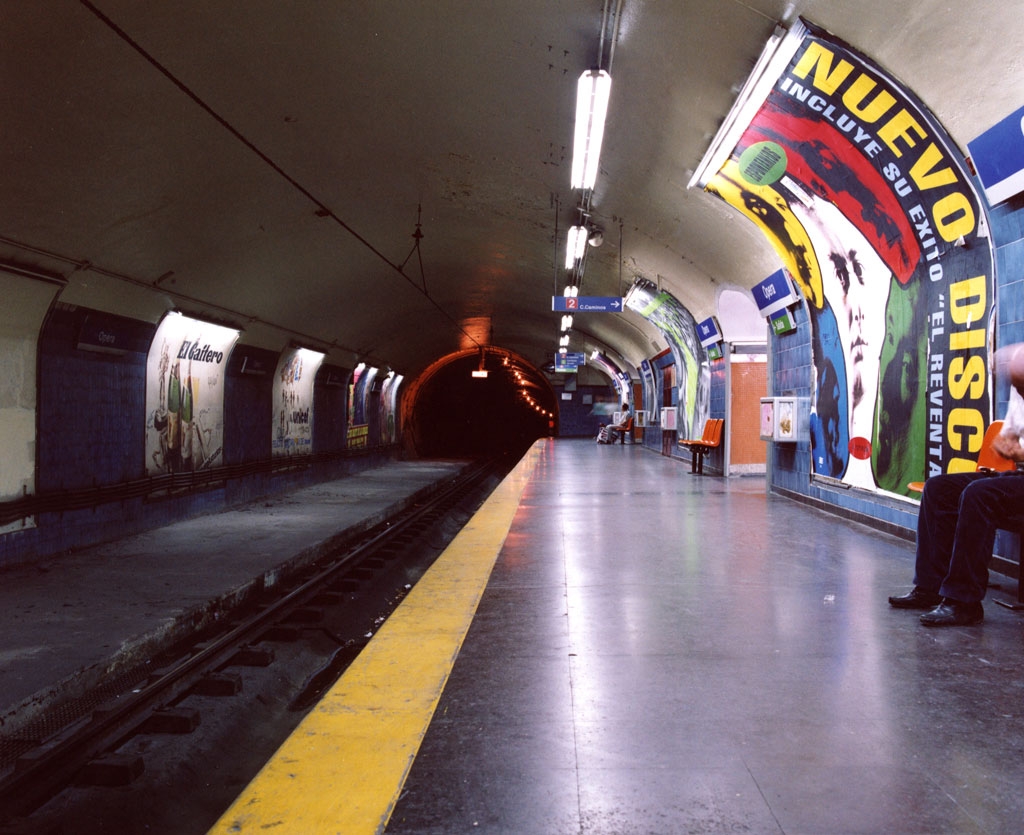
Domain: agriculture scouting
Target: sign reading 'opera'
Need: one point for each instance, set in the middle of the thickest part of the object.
(185, 395)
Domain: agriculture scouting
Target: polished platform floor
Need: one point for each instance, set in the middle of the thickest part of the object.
(660, 652)
(612, 645)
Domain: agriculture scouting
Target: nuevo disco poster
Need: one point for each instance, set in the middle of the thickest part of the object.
(185, 395)
(866, 200)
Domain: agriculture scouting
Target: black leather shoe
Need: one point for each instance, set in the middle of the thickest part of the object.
(954, 613)
(916, 599)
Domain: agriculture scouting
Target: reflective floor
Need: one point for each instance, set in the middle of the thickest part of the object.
(660, 652)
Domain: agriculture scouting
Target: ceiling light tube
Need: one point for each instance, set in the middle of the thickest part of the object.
(576, 245)
(592, 95)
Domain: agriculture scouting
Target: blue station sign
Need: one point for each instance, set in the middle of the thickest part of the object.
(569, 363)
(709, 332)
(774, 293)
(588, 304)
(998, 157)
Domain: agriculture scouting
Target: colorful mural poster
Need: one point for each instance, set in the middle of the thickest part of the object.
(664, 311)
(185, 395)
(868, 204)
(293, 402)
(358, 435)
(389, 408)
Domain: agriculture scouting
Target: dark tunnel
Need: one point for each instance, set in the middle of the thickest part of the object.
(471, 406)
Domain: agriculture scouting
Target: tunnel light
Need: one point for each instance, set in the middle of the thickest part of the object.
(576, 245)
(567, 322)
(563, 350)
(564, 340)
(592, 94)
(480, 372)
(571, 291)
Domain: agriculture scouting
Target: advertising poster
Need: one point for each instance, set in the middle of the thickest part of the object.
(358, 420)
(867, 202)
(389, 408)
(293, 402)
(185, 395)
(664, 311)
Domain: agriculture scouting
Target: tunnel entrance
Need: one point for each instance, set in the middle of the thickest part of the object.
(478, 403)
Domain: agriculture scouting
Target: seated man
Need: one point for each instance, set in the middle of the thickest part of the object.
(957, 523)
(622, 426)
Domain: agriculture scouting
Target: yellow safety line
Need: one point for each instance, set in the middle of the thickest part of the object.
(343, 767)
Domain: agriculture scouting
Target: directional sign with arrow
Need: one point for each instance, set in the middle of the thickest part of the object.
(591, 304)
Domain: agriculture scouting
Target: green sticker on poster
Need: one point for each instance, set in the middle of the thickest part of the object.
(763, 163)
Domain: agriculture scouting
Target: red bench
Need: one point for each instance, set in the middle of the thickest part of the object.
(699, 447)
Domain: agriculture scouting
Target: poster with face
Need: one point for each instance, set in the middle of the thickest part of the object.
(185, 395)
(867, 202)
(293, 402)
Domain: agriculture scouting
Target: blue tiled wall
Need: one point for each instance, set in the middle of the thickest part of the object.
(248, 411)
(90, 408)
(655, 436)
(329, 413)
(577, 419)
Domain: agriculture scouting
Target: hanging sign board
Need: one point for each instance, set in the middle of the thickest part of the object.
(709, 332)
(998, 157)
(569, 363)
(587, 304)
(775, 293)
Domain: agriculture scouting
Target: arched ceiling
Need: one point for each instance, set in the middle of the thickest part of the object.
(266, 163)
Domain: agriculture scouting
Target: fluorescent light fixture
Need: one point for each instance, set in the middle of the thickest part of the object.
(481, 373)
(592, 93)
(571, 291)
(567, 322)
(637, 296)
(564, 340)
(576, 246)
(596, 355)
(775, 57)
(563, 350)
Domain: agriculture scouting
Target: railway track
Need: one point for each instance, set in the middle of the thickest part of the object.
(115, 760)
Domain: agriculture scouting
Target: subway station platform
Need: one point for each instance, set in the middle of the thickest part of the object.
(615, 645)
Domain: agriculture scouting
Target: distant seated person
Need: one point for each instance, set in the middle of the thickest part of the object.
(957, 523)
(617, 431)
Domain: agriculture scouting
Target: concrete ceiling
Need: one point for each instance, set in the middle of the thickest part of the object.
(266, 163)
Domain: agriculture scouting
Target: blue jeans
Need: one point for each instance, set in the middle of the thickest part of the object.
(956, 529)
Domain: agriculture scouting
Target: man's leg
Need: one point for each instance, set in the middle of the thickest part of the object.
(936, 530)
(984, 506)
(937, 525)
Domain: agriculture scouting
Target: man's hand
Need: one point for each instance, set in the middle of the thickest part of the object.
(1008, 446)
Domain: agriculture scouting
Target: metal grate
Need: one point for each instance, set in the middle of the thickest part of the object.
(55, 719)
